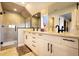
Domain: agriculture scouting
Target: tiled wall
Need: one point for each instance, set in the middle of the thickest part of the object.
(12, 18)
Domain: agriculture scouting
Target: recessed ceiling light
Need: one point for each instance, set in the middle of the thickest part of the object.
(15, 9)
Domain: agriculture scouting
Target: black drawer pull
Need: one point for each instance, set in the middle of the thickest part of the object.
(51, 48)
(48, 46)
(69, 40)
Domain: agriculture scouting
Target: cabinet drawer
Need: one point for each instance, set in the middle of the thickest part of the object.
(71, 42)
(34, 34)
(52, 38)
(61, 50)
(35, 49)
(43, 36)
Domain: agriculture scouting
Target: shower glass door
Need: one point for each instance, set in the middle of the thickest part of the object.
(8, 36)
(0, 38)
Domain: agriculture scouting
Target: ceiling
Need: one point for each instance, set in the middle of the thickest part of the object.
(9, 6)
(60, 5)
(30, 8)
(34, 7)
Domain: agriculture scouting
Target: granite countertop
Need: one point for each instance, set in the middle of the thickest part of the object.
(65, 34)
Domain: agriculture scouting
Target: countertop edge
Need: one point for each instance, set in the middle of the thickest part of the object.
(56, 34)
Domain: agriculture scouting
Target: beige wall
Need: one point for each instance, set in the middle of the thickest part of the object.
(12, 18)
(0, 7)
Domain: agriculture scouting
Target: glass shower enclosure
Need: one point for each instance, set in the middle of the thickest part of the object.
(8, 36)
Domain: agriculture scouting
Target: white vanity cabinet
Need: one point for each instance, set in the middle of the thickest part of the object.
(35, 43)
(49, 41)
(47, 49)
(43, 45)
(27, 39)
(58, 46)
(32, 41)
(67, 47)
(21, 37)
(51, 45)
(62, 50)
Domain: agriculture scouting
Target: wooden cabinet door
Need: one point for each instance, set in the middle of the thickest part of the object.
(45, 44)
(46, 49)
(41, 47)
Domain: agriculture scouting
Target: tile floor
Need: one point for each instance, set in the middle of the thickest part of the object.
(13, 51)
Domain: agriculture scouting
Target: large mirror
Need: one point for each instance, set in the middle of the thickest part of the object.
(36, 21)
(65, 22)
(45, 20)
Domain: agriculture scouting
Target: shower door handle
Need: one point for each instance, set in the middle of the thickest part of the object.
(15, 28)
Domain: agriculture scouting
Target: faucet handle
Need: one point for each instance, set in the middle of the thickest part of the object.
(62, 28)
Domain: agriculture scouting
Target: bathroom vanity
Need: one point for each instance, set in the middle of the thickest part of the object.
(52, 44)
